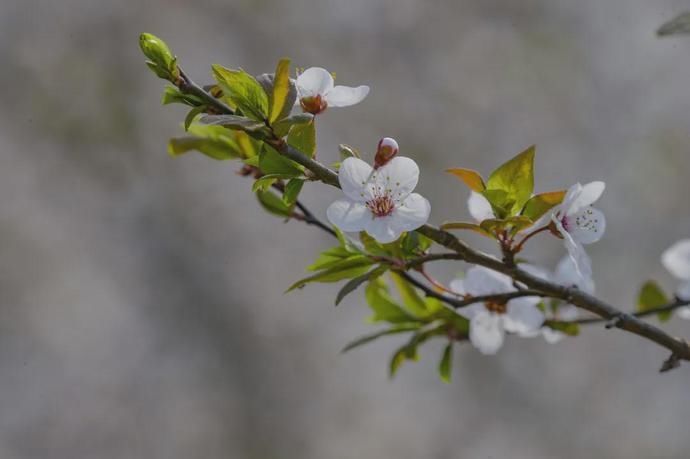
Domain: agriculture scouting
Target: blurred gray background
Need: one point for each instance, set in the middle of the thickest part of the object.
(142, 312)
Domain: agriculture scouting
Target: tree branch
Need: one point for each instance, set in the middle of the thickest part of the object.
(680, 350)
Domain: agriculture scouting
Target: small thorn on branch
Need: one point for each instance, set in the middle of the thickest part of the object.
(670, 363)
(615, 321)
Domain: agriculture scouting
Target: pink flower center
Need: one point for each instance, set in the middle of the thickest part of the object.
(381, 206)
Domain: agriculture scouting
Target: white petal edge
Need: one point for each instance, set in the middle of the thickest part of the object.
(356, 180)
(412, 213)
(523, 316)
(458, 286)
(676, 259)
(314, 81)
(486, 333)
(566, 274)
(683, 291)
(344, 96)
(348, 215)
(552, 336)
(383, 229)
(471, 311)
(576, 252)
(484, 281)
(400, 176)
(684, 312)
(588, 195)
(479, 207)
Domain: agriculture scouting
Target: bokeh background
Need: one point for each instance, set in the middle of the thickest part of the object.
(142, 312)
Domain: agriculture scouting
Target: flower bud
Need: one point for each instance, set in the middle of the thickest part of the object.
(161, 60)
(385, 151)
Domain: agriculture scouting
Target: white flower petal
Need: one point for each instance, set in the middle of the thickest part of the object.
(567, 312)
(576, 251)
(552, 336)
(677, 259)
(383, 229)
(684, 312)
(484, 281)
(398, 177)
(523, 315)
(314, 81)
(470, 311)
(683, 291)
(344, 96)
(479, 207)
(567, 274)
(355, 179)
(486, 332)
(536, 271)
(586, 226)
(349, 215)
(412, 213)
(585, 196)
(458, 286)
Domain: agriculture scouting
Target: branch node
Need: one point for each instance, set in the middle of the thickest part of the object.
(615, 321)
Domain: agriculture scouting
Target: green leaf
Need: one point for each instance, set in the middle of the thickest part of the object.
(680, 25)
(445, 367)
(219, 149)
(493, 225)
(414, 243)
(519, 223)
(172, 95)
(161, 60)
(303, 138)
(357, 281)
(568, 328)
(282, 127)
(652, 296)
(409, 350)
(412, 301)
(273, 203)
(272, 162)
(292, 190)
(329, 257)
(397, 329)
(264, 183)
(279, 100)
(345, 269)
(466, 226)
(189, 119)
(516, 178)
(383, 306)
(371, 245)
(347, 151)
(541, 203)
(234, 122)
(501, 202)
(244, 91)
(472, 179)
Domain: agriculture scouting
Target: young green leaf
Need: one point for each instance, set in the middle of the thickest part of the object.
(172, 95)
(541, 203)
(445, 367)
(273, 203)
(346, 269)
(329, 257)
(161, 60)
(568, 328)
(412, 301)
(272, 162)
(215, 148)
(189, 119)
(303, 138)
(516, 178)
(292, 190)
(243, 89)
(395, 330)
(357, 281)
(652, 296)
(279, 100)
(282, 127)
(383, 306)
(472, 179)
(679, 25)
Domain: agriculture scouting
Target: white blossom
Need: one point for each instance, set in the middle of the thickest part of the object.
(676, 259)
(579, 223)
(315, 91)
(379, 201)
(490, 321)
